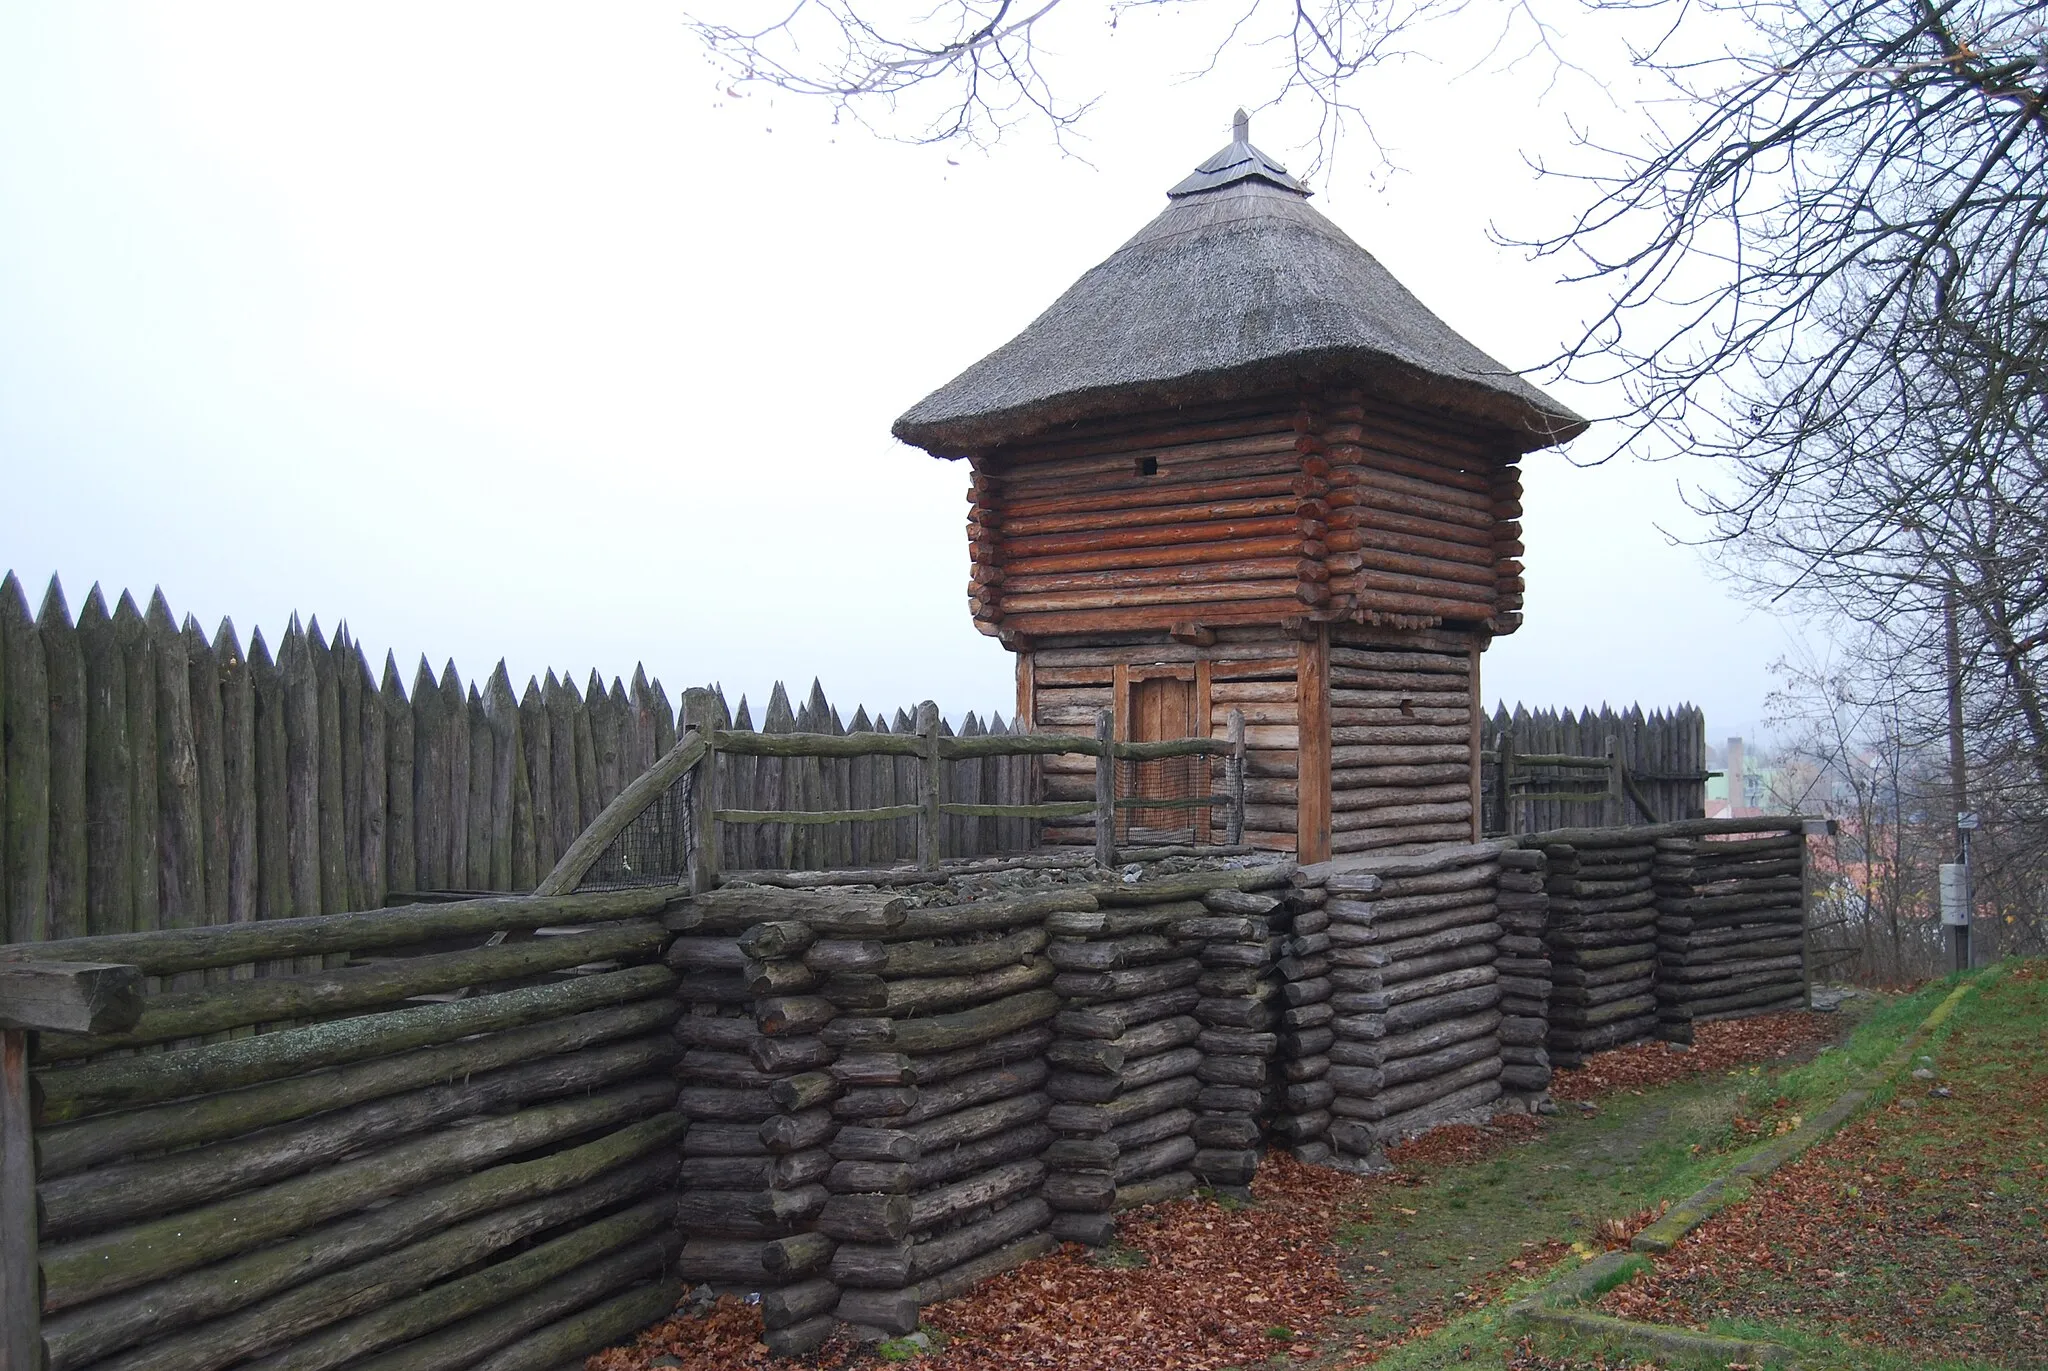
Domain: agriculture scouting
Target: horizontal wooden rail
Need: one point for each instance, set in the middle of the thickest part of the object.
(1063, 809)
(816, 816)
(747, 744)
(161, 952)
(1177, 802)
(1561, 759)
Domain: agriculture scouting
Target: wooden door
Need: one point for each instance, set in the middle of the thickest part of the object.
(1161, 709)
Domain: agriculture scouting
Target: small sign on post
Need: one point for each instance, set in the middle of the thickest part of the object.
(1955, 895)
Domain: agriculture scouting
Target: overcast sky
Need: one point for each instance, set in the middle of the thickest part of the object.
(508, 331)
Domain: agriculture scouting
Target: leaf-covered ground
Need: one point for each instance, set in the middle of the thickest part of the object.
(1921, 1227)
(1330, 1270)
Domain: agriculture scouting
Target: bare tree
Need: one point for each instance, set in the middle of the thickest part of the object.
(971, 70)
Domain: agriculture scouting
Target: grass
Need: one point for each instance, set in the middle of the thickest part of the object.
(1916, 1233)
(1446, 1249)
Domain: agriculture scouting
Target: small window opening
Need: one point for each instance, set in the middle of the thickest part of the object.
(1148, 466)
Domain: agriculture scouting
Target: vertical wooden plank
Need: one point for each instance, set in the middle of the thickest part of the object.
(455, 794)
(568, 804)
(929, 827)
(401, 782)
(640, 753)
(348, 690)
(508, 762)
(27, 745)
(483, 771)
(109, 785)
(1312, 781)
(375, 797)
(208, 721)
(860, 785)
(700, 711)
(621, 710)
(430, 778)
(1027, 691)
(302, 773)
(181, 858)
(908, 789)
(664, 719)
(1203, 726)
(21, 1286)
(1476, 703)
(1105, 787)
(606, 726)
(536, 737)
(1234, 773)
(773, 790)
(272, 744)
(64, 670)
(589, 803)
(334, 894)
(738, 842)
(238, 776)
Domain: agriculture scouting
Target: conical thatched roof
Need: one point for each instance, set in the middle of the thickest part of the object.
(1237, 288)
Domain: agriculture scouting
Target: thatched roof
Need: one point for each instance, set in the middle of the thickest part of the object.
(1236, 289)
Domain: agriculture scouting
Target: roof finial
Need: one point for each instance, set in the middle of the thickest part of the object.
(1241, 128)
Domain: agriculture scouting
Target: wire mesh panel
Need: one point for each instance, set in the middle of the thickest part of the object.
(657, 848)
(1166, 800)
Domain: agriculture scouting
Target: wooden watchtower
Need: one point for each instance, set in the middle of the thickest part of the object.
(1239, 465)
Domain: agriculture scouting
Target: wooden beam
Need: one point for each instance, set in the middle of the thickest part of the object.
(70, 997)
(591, 843)
(1312, 674)
(21, 1338)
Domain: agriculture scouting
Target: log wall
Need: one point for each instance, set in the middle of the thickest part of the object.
(1403, 714)
(452, 1147)
(1325, 507)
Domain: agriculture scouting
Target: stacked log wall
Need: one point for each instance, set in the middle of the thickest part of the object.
(1602, 941)
(1417, 1018)
(1403, 711)
(1731, 928)
(436, 1149)
(1424, 515)
(1203, 515)
(1329, 507)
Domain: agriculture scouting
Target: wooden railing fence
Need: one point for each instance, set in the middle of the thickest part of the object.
(1547, 769)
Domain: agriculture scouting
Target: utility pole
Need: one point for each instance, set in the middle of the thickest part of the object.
(1957, 914)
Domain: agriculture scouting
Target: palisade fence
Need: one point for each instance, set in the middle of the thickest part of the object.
(151, 777)
(1592, 770)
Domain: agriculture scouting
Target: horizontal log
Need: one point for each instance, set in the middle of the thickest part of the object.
(123, 1194)
(236, 1004)
(827, 911)
(123, 1259)
(126, 1081)
(73, 997)
(165, 951)
(433, 1309)
(977, 1122)
(363, 1290)
(1114, 1020)
(562, 1319)
(68, 1148)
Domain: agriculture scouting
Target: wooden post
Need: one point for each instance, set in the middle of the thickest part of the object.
(1504, 779)
(1235, 775)
(928, 822)
(21, 1336)
(71, 997)
(700, 711)
(1105, 789)
(1476, 747)
(1312, 767)
(1612, 810)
